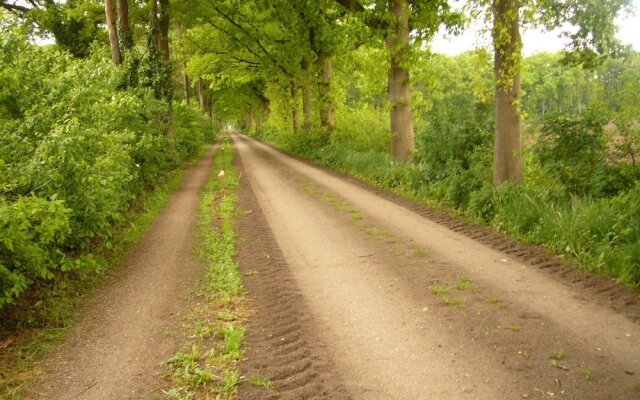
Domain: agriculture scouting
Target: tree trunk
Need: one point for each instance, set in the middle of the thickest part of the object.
(126, 37)
(399, 90)
(507, 153)
(110, 13)
(250, 121)
(209, 105)
(307, 99)
(185, 83)
(327, 118)
(201, 96)
(154, 25)
(164, 30)
(295, 110)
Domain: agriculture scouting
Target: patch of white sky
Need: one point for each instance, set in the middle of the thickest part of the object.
(534, 40)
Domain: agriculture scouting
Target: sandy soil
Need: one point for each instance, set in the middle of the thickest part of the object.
(117, 349)
(359, 270)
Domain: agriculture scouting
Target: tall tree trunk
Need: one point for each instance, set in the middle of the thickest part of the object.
(185, 83)
(399, 90)
(201, 96)
(250, 121)
(507, 157)
(295, 109)
(209, 105)
(126, 37)
(164, 30)
(327, 118)
(186, 88)
(307, 99)
(154, 25)
(110, 13)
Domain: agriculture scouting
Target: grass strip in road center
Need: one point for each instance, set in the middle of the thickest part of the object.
(206, 365)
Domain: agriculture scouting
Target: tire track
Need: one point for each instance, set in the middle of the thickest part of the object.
(281, 344)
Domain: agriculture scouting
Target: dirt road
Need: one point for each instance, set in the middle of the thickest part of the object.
(117, 349)
(368, 299)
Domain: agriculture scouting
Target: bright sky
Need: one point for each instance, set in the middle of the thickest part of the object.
(534, 40)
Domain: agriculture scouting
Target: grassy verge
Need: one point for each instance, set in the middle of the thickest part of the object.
(206, 365)
(46, 321)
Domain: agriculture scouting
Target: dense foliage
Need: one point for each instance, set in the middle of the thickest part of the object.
(75, 151)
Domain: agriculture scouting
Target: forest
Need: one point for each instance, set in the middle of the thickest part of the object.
(100, 100)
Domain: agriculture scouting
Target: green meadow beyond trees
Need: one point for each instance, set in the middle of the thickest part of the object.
(101, 99)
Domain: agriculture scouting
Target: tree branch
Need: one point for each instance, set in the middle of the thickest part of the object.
(351, 5)
(13, 7)
(355, 7)
(250, 37)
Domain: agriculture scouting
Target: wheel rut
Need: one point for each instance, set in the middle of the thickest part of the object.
(281, 343)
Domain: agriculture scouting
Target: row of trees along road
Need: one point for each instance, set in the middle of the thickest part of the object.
(327, 73)
(247, 45)
(251, 44)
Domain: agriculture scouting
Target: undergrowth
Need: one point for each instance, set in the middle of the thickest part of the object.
(35, 330)
(206, 366)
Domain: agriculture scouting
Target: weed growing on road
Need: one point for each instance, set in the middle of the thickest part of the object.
(463, 283)
(259, 380)
(233, 337)
(453, 301)
(493, 300)
(419, 253)
(514, 328)
(215, 334)
(378, 234)
(587, 373)
(558, 355)
(555, 359)
(439, 289)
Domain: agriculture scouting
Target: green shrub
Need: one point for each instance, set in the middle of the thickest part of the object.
(482, 204)
(31, 229)
(363, 129)
(76, 148)
(572, 149)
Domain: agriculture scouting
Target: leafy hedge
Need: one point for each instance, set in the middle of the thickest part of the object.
(75, 151)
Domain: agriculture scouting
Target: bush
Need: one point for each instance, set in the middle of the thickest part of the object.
(75, 151)
(31, 228)
(572, 149)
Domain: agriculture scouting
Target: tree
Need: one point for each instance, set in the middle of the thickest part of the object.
(110, 11)
(507, 155)
(164, 31)
(126, 36)
(234, 46)
(592, 40)
(395, 20)
(74, 24)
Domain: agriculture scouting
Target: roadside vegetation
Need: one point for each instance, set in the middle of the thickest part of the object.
(206, 365)
(580, 195)
(544, 147)
(85, 165)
